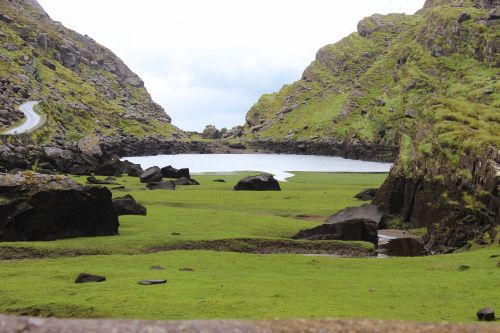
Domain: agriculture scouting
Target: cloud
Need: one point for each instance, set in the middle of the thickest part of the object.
(207, 62)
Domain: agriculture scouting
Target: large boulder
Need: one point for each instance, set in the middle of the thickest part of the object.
(37, 207)
(151, 175)
(262, 182)
(128, 206)
(171, 172)
(351, 224)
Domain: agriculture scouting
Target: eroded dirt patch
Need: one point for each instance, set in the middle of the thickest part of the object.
(242, 245)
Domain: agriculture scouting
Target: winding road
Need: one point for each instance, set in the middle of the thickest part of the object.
(32, 119)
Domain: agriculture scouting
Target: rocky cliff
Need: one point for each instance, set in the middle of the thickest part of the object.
(426, 83)
(85, 89)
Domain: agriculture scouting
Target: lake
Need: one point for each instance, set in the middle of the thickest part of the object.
(280, 165)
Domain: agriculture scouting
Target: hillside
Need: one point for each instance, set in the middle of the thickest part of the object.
(427, 83)
(85, 89)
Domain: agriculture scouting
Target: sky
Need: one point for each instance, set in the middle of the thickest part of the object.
(208, 62)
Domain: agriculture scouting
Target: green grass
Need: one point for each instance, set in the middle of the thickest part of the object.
(242, 285)
(213, 211)
(231, 285)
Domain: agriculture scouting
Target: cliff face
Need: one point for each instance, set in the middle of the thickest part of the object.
(427, 83)
(85, 89)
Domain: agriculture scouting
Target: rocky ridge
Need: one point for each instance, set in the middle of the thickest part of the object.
(85, 89)
(423, 87)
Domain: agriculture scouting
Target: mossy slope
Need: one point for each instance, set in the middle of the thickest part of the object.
(427, 83)
(85, 89)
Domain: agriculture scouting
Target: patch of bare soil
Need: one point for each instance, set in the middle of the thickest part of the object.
(255, 246)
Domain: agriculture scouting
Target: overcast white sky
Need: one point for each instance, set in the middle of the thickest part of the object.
(207, 62)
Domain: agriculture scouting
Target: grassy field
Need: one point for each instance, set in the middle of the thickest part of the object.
(213, 211)
(242, 285)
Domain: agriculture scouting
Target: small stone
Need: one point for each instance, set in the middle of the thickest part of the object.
(157, 268)
(498, 264)
(462, 268)
(219, 180)
(493, 256)
(152, 282)
(486, 314)
(175, 234)
(186, 269)
(463, 17)
(86, 278)
(410, 113)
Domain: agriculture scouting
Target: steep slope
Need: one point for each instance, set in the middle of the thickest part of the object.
(427, 83)
(85, 89)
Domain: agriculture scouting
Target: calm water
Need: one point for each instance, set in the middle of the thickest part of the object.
(279, 165)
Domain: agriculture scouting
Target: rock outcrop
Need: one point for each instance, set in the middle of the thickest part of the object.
(36, 207)
(420, 89)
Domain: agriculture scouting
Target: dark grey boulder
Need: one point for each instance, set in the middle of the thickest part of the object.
(486, 314)
(151, 175)
(171, 172)
(164, 185)
(128, 206)
(38, 207)
(262, 182)
(186, 182)
(87, 278)
(219, 181)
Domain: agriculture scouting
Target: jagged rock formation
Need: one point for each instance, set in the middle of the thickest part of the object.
(426, 83)
(85, 89)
